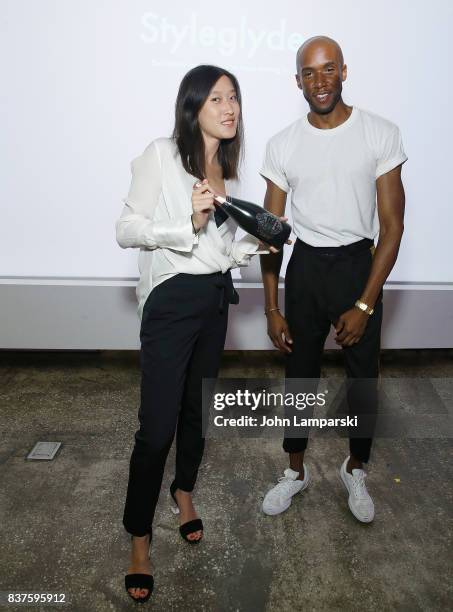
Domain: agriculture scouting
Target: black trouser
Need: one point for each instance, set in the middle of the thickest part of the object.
(320, 285)
(182, 338)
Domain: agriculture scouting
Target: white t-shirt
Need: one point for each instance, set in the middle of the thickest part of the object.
(332, 175)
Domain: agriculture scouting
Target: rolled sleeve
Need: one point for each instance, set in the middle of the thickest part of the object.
(391, 152)
(177, 235)
(272, 167)
(242, 250)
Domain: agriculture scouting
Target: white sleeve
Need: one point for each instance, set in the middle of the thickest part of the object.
(390, 151)
(135, 227)
(272, 167)
(243, 249)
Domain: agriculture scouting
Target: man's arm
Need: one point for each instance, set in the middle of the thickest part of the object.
(277, 327)
(390, 204)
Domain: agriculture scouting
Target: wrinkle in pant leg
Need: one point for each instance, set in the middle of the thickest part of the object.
(204, 363)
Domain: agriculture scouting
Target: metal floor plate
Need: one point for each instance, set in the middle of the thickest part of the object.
(44, 450)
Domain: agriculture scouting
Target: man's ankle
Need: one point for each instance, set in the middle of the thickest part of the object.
(299, 469)
(353, 464)
(296, 463)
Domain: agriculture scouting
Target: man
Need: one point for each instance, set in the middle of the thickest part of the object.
(343, 167)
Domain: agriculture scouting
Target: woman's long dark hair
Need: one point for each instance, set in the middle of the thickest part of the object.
(192, 94)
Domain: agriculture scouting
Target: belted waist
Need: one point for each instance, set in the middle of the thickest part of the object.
(349, 249)
(224, 282)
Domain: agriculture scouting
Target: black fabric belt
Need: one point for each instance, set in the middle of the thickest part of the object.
(224, 282)
(347, 249)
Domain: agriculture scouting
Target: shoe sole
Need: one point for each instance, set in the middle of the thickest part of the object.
(360, 519)
(289, 501)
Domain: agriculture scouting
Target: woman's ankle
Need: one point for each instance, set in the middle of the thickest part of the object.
(140, 543)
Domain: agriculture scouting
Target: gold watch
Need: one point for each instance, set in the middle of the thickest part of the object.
(364, 307)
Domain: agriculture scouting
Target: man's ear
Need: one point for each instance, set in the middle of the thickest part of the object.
(299, 84)
(344, 72)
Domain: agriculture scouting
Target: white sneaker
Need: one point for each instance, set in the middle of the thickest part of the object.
(359, 501)
(278, 499)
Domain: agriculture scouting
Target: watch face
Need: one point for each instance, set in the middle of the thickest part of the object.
(362, 306)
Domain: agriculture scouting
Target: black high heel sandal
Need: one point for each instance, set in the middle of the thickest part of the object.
(139, 581)
(191, 526)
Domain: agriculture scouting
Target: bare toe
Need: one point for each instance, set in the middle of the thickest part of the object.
(133, 592)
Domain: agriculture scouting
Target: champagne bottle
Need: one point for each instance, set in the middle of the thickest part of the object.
(255, 220)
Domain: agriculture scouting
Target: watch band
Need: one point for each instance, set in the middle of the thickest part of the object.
(364, 307)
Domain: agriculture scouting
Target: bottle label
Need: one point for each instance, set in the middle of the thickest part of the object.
(268, 225)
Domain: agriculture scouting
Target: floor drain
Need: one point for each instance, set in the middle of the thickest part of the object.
(44, 450)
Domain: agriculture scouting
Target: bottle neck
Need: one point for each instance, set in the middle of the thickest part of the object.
(222, 202)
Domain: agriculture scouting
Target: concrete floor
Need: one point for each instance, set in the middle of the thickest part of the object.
(61, 528)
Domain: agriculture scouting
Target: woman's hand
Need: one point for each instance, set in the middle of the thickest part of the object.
(202, 203)
(266, 247)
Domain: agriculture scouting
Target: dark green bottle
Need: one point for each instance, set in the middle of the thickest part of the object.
(255, 220)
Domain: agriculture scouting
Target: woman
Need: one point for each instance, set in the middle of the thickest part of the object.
(185, 286)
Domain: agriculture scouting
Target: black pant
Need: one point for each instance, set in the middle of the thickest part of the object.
(320, 285)
(182, 338)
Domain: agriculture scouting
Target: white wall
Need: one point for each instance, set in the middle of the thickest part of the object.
(68, 314)
(90, 83)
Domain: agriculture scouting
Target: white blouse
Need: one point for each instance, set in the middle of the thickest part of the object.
(157, 219)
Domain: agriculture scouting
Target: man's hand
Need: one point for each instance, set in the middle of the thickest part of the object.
(278, 331)
(350, 326)
(267, 247)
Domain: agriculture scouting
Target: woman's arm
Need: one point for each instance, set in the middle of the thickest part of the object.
(136, 227)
